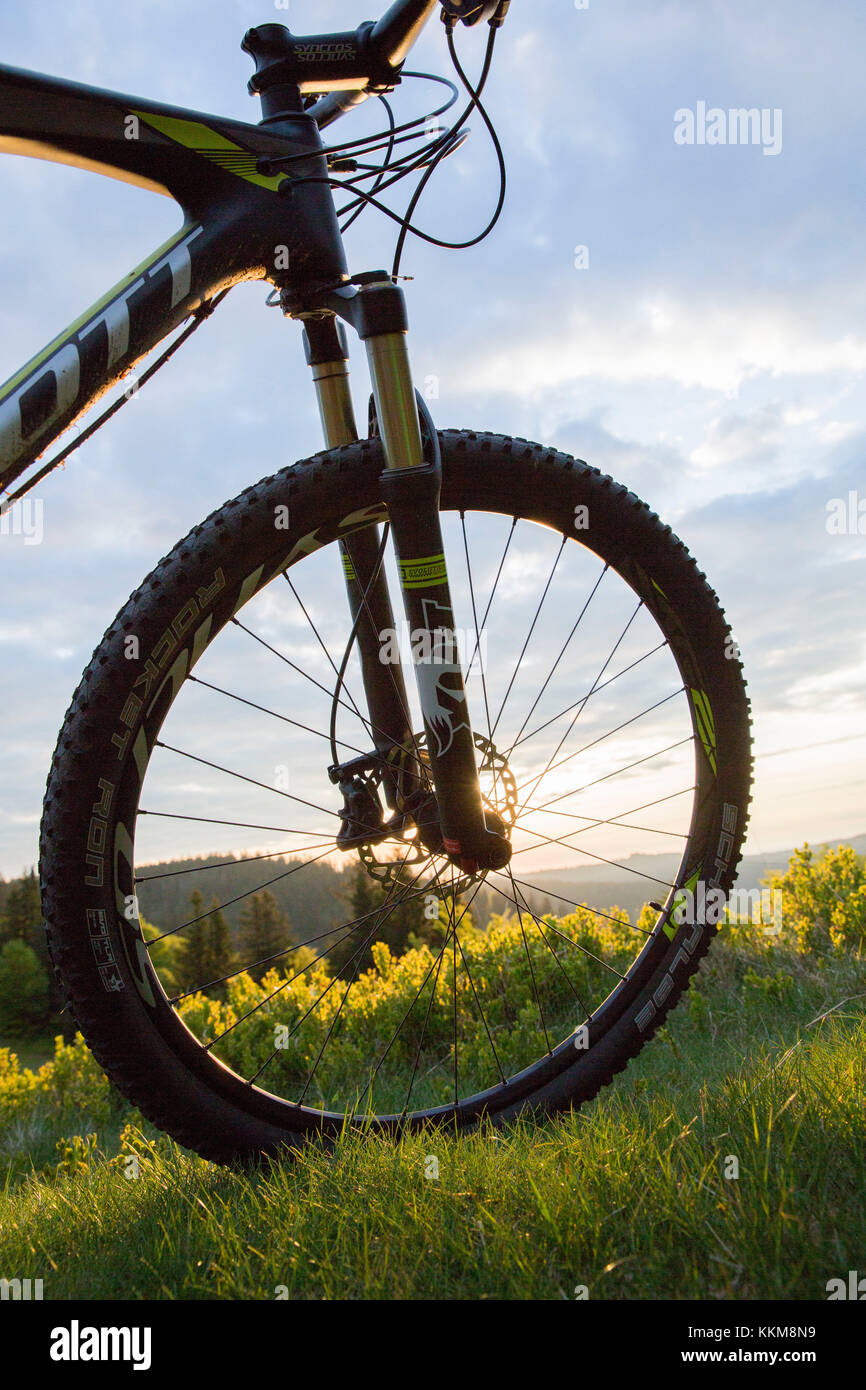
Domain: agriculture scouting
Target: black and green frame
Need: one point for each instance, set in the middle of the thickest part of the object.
(257, 203)
(240, 222)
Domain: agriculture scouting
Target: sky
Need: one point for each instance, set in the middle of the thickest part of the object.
(689, 317)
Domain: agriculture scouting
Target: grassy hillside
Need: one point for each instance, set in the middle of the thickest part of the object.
(632, 1197)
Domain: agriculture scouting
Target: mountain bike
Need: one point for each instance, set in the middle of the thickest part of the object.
(589, 705)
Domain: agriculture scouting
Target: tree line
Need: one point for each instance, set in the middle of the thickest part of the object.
(203, 950)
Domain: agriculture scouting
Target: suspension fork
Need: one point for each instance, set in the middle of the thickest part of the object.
(327, 354)
(410, 487)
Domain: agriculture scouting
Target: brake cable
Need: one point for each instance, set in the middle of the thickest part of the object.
(475, 94)
(429, 158)
(385, 164)
(350, 641)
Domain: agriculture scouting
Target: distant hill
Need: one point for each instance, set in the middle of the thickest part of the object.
(314, 895)
(311, 894)
(629, 887)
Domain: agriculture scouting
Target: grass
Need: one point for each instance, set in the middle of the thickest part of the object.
(628, 1197)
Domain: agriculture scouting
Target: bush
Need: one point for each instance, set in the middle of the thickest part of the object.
(508, 969)
(74, 1082)
(824, 900)
(505, 969)
(19, 1089)
(71, 1087)
(24, 991)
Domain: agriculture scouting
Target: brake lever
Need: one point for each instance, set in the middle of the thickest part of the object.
(474, 11)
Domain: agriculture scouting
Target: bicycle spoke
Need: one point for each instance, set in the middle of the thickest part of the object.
(307, 729)
(454, 999)
(359, 953)
(671, 796)
(582, 907)
(240, 897)
(601, 738)
(475, 621)
(585, 698)
(608, 776)
(562, 652)
(438, 965)
(412, 1006)
(579, 712)
(478, 642)
(375, 912)
(511, 534)
(538, 922)
(565, 840)
(614, 863)
(594, 823)
(480, 1008)
(529, 635)
(328, 656)
(400, 693)
(277, 791)
(327, 845)
(285, 984)
(585, 949)
(535, 993)
(266, 960)
(347, 930)
(237, 824)
(368, 724)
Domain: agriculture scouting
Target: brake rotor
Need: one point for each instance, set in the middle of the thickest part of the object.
(412, 849)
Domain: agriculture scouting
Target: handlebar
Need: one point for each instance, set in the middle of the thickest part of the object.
(351, 66)
(394, 36)
(400, 27)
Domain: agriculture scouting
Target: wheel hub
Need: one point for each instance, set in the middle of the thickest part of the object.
(415, 831)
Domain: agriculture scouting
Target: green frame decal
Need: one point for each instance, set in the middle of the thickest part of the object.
(210, 144)
(706, 724)
(426, 572)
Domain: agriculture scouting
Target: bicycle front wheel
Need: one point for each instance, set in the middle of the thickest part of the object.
(612, 729)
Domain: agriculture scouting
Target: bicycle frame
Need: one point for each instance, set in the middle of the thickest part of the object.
(236, 226)
(242, 220)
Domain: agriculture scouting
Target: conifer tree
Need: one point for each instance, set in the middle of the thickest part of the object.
(265, 932)
(22, 917)
(208, 954)
(395, 916)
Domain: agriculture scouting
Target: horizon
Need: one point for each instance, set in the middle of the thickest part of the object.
(785, 850)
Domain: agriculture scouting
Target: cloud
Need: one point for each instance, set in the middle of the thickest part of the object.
(661, 338)
(712, 357)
